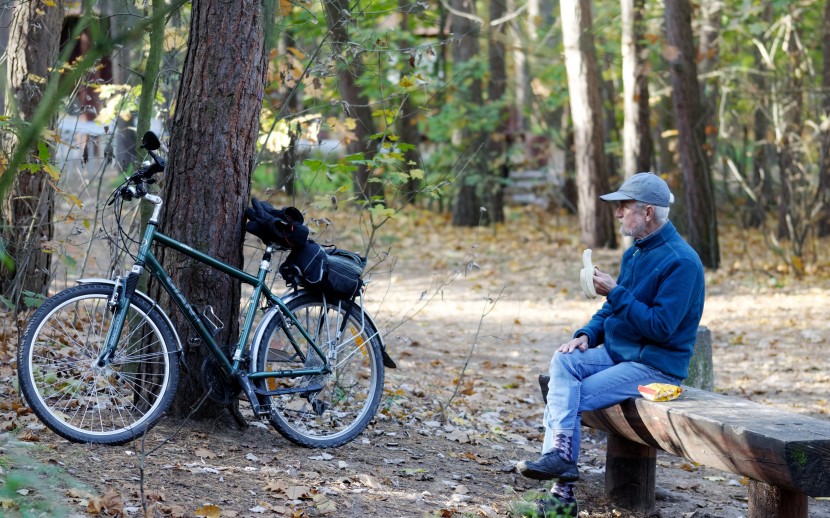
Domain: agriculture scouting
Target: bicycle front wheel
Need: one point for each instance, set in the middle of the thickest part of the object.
(343, 402)
(62, 381)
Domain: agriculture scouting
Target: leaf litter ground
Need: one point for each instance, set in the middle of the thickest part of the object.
(496, 300)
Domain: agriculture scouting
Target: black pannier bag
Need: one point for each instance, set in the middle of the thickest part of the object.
(335, 272)
(343, 275)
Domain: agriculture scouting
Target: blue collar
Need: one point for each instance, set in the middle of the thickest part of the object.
(657, 238)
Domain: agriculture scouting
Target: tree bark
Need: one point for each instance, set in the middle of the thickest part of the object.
(407, 125)
(497, 139)
(26, 221)
(595, 217)
(824, 164)
(701, 220)
(211, 159)
(357, 103)
(466, 211)
(637, 145)
(708, 55)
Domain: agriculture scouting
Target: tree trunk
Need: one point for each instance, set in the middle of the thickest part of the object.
(26, 222)
(792, 104)
(212, 152)
(357, 104)
(824, 164)
(466, 211)
(499, 168)
(637, 146)
(702, 225)
(408, 127)
(595, 216)
(708, 54)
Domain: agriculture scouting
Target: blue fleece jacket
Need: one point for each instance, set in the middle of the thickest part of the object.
(652, 315)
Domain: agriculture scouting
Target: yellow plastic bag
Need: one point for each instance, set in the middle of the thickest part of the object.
(659, 391)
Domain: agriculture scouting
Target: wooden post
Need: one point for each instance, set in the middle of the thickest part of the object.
(630, 473)
(766, 501)
(701, 374)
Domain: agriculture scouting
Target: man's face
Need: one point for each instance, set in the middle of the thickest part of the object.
(632, 219)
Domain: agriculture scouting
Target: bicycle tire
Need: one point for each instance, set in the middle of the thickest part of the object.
(74, 397)
(350, 395)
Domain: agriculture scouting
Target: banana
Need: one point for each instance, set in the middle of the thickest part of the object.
(586, 275)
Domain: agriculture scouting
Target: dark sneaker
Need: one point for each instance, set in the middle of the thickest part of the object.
(554, 507)
(550, 466)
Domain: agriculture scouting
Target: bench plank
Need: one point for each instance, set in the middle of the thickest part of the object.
(782, 449)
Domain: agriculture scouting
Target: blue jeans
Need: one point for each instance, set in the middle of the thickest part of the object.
(590, 380)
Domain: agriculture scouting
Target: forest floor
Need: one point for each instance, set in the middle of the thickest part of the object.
(496, 300)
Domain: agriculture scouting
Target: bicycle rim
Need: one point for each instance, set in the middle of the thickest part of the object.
(82, 401)
(348, 397)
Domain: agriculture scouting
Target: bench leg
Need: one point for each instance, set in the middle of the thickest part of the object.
(630, 473)
(766, 501)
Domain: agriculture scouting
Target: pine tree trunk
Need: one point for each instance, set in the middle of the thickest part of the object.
(26, 222)
(407, 126)
(824, 164)
(466, 211)
(595, 216)
(701, 221)
(357, 104)
(637, 146)
(212, 151)
(499, 169)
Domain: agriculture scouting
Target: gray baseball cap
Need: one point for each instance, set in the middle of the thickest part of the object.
(645, 187)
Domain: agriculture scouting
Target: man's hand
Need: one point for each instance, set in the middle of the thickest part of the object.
(580, 342)
(603, 282)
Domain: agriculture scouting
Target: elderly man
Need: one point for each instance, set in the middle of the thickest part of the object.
(644, 333)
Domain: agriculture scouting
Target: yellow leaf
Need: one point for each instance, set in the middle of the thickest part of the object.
(34, 78)
(53, 171)
(350, 123)
(208, 511)
(405, 82)
(416, 174)
(50, 3)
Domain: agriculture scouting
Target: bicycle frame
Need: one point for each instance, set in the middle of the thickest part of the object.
(146, 259)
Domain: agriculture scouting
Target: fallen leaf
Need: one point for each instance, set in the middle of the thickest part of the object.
(208, 511)
(204, 453)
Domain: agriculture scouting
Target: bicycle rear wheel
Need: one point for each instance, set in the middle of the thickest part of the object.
(348, 397)
(60, 378)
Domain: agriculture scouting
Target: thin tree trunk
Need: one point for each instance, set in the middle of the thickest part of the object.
(499, 169)
(824, 164)
(701, 220)
(595, 216)
(466, 211)
(26, 222)
(212, 152)
(408, 127)
(637, 146)
(357, 103)
(708, 55)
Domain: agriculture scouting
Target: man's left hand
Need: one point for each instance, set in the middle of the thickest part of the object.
(603, 282)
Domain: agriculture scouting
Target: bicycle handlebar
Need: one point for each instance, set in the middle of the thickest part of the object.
(134, 187)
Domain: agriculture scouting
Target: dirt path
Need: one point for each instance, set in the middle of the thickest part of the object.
(514, 298)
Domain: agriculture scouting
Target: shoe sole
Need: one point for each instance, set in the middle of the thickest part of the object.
(542, 475)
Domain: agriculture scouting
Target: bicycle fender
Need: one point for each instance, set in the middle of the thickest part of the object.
(147, 299)
(388, 362)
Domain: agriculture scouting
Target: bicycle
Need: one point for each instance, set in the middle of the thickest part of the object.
(99, 362)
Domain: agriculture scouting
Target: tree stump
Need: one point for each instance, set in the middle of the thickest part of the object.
(701, 374)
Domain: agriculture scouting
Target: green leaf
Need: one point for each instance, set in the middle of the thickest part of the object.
(32, 299)
(43, 152)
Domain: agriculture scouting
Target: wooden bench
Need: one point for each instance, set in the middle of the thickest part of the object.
(785, 455)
